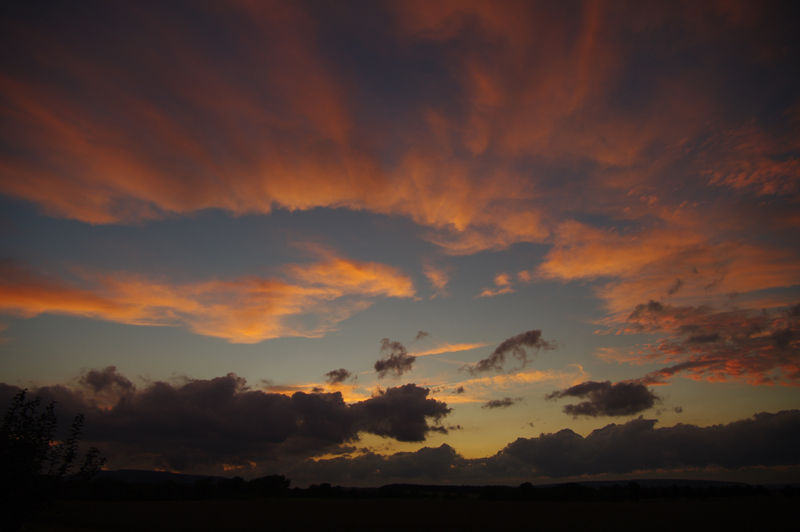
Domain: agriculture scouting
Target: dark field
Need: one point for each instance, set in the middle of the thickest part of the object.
(758, 513)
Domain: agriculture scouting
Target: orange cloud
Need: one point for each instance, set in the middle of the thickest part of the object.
(244, 310)
(522, 378)
(748, 158)
(680, 264)
(538, 93)
(760, 348)
(448, 348)
(503, 283)
(438, 277)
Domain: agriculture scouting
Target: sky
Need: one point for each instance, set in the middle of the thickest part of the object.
(407, 241)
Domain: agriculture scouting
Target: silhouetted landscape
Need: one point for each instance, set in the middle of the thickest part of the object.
(167, 501)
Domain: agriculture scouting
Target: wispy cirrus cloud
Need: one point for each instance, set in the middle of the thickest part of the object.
(502, 283)
(243, 310)
(438, 277)
(757, 347)
(473, 166)
(657, 263)
(448, 348)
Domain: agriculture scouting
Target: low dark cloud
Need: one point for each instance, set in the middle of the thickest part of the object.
(516, 347)
(765, 440)
(397, 363)
(678, 409)
(421, 335)
(606, 399)
(338, 375)
(401, 413)
(460, 389)
(207, 423)
(502, 403)
(428, 463)
(107, 380)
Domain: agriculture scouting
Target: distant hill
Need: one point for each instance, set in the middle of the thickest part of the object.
(653, 483)
(152, 477)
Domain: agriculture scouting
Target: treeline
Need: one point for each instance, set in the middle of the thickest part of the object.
(278, 486)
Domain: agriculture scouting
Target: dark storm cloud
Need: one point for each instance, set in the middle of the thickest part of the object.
(765, 440)
(605, 399)
(421, 335)
(223, 421)
(502, 403)
(338, 375)
(516, 347)
(107, 380)
(397, 363)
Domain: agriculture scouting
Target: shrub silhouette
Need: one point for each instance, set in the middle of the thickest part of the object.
(33, 463)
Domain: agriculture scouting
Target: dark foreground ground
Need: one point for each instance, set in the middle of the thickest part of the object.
(758, 513)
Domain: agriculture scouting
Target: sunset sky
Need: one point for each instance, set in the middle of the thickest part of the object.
(415, 241)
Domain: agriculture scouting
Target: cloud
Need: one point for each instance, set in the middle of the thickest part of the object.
(623, 398)
(448, 348)
(205, 423)
(501, 403)
(438, 277)
(217, 136)
(243, 310)
(107, 380)
(643, 264)
(503, 283)
(747, 157)
(757, 347)
(267, 116)
(338, 375)
(766, 440)
(401, 413)
(516, 346)
(201, 424)
(672, 290)
(397, 363)
(430, 463)
(421, 335)
(489, 383)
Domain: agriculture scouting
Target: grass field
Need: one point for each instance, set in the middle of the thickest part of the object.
(404, 514)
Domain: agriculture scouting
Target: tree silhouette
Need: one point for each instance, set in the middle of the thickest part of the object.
(33, 463)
